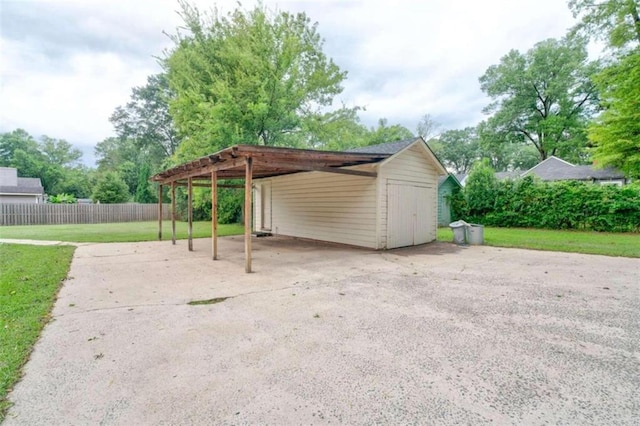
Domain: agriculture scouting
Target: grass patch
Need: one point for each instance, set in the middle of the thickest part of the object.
(114, 232)
(30, 277)
(605, 243)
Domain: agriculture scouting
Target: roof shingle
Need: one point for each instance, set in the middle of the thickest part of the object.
(384, 148)
(554, 168)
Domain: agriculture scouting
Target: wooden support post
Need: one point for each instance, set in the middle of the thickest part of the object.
(190, 213)
(159, 212)
(247, 214)
(173, 213)
(214, 214)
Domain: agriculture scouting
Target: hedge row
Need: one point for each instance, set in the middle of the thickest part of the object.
(552, 205)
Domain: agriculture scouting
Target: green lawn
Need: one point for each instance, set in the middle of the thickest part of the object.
(609, 244)
(30, 277)
(113, 232)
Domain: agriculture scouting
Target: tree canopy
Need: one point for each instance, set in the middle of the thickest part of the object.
(457, 149)
(616, 132)
(479, 186)
(384, 132)
(55, 161)
(543, 97)
(248, 77)
(615, 21)
(145, 120)
(110, 189)
(460, 149)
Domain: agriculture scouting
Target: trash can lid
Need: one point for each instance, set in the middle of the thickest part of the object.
(458, 224)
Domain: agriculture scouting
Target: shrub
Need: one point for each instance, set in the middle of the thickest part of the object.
(555, 205)
(230, 202)
(62, 199)
(144, 192)
(110, 189)
(480, 190)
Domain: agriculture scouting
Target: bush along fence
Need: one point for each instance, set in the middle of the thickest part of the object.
(526, 203)
(49, 214)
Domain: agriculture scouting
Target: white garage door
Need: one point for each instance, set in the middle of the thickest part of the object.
(408, 215)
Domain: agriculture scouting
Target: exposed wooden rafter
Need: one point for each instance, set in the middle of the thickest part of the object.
(248, 162)
(268, 161)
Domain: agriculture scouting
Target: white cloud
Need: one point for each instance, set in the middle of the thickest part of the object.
(73, 105)
(66, 65)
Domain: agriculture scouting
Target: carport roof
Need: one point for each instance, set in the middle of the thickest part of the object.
(267, 161)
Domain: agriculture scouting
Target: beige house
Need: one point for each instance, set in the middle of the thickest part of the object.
(396, 208)
(18, 190)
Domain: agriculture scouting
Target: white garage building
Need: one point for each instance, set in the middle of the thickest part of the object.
(380, 197)
(396, 208)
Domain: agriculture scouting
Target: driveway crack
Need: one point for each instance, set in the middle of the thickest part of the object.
(192, 302)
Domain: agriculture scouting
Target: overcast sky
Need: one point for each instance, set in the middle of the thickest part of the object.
(65, 65)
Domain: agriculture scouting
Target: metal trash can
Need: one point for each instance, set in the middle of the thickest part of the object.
(459, 231)
(475, 234)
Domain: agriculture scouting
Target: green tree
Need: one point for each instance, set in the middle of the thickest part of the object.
(61, 163)
(18, 149)
(129, 171)
(505, 156)
(144, 193)
(616, 132)
(480, 189)
(384, 133)
(522, 157)
(457, 149)
(145, 120)
(247, 77)
(333, 131)
(60, 152)
(55, 161)
(543, 97)
(11, 142)
(78, 182)
(615, 21)
(112, 152)
(121, 155)
(110, 189)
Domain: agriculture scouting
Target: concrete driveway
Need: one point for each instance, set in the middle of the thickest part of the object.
(326, 334)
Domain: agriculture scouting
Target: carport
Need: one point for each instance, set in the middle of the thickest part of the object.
(248, 162)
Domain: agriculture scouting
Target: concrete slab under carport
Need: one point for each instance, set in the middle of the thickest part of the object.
(323, 333)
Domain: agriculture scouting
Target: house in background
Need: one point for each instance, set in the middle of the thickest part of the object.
(507, 175)
(446, 186)
(461, 178)
(554, 169)
(19, 190)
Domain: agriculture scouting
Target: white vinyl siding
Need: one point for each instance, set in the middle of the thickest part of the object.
(262, 205)
(257, 205)
(325, 206)
(353, 210)
(411, 167)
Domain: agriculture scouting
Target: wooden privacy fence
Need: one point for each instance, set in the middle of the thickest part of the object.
(49, 214)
